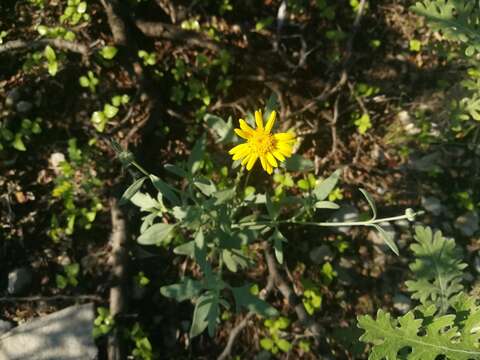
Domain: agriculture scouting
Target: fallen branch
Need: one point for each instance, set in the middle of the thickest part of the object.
(117, 25)
(118, 260)
(242, 324)
(174, 33)
(17, 45)
(292, 299)
(52, 298)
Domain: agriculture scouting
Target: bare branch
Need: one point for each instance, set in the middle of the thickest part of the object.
(17, 45)
(292, 299)
(117, 25)
(242, 324)
(172, 32)
(52, 298)
(118, 260)
(168, 8)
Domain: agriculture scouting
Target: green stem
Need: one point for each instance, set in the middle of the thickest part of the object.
(140, 168)
(330, 224)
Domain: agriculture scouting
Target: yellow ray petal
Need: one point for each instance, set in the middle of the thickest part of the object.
(247, 158)
(270, 122)
(264, 162)
(278, 155)
(251, 162)
(284, 136)
(245, 127)
(237, 148)
(271, 160)
(269, 169)
(285, 150)
(242, 133)
(259, 119)
(241, 154)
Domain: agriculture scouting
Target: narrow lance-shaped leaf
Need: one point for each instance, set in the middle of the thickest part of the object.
(196, 157)
(243, 298)
(387, 238)
(132, 190)
(371, 203)
(323, 189)
(166, 190)
(278, 239)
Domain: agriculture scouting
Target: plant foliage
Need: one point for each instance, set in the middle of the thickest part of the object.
(437, 268)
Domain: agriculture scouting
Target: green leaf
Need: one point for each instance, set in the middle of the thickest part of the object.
(386, 237)
(99, 120)
(278, 239)
(273, 209)
(222, 130)
(271, 105)
(371, 202)
(109, 52)
(184, 290)
(243, 298)
(195, 159)
(49, 54)
(438, 268)
(469, 51)
(117, 100)
(266, 343)
(69, 36)
(456, 20)
(145, 202)
(174, 169)
(18, 143)
(187, 249)
(132, 190)
(165, 189)
(283, 345)
(42, 30)
(82, 7)
(224, 196)
(422, 339)
(52, 68)
(201, 319)
(324, 188)
(326, 205)
(110, 111)
(61, 281)
(156, 234)
(84, 82)
(298, 163)
(207, 187)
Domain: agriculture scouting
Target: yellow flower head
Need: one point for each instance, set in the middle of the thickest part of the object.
(261, 144)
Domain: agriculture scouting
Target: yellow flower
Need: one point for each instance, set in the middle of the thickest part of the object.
(261, 144)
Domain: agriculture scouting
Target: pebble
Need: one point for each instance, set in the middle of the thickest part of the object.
(19, 280)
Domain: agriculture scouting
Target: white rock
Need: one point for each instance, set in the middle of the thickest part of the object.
(5, 326)
(19, 280)
(66, 334)
(467, 223)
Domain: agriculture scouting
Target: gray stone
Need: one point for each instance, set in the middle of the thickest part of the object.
(24, 106)
(467, 223)
(19, 280)
(402, 303)
(5, 326)
(345, 214)
(320, 254)
(12, 97)
(63, 335)
(432, 205)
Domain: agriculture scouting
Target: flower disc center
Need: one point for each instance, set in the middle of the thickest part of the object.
(262, 143)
